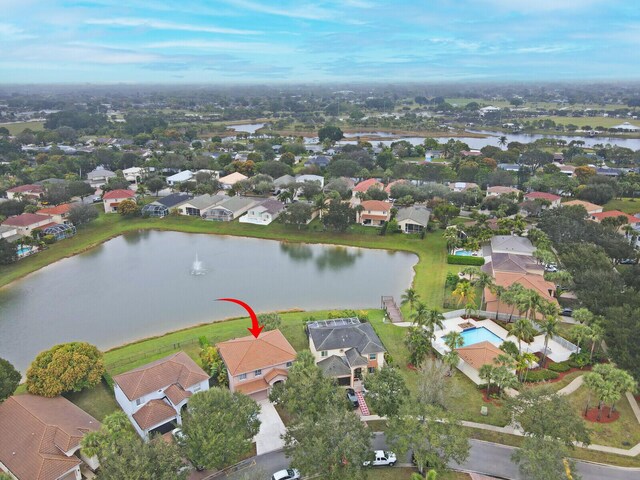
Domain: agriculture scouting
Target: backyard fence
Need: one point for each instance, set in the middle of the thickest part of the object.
(171, 347)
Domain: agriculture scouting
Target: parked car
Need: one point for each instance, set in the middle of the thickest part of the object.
(287, 474)
(96, 199)
(551, 268)
(628, 261)
(351, 396)
(381, 459)
(567, 312)
(178, 435)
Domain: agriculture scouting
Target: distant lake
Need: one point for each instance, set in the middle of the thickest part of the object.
(140, 284)
(247, 127)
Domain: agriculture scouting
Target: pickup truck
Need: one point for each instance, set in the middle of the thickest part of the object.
(381, 459)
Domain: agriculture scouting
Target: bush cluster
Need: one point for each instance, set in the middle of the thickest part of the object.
(541, 375)
(559, 367)
(463, 260)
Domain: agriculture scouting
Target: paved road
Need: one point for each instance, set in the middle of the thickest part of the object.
(485, 457)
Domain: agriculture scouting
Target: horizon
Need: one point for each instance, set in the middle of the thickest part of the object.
(248, 42)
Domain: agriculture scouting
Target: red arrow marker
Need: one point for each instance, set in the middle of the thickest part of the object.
(255, 328)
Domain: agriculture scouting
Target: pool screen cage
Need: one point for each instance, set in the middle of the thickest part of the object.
(155, 210)
(61, 231)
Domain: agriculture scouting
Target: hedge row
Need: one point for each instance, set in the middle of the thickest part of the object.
(465, 260)
(540, 375)
(559, 367)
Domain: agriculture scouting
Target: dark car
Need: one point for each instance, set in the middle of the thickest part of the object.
(567, 312)
(351, 396)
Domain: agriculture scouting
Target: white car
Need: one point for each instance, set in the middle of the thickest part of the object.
(288, 474)
(178, 435)
(381, 459)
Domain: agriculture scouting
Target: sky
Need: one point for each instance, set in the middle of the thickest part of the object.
(301, 41)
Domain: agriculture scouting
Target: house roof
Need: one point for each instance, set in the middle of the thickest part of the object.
(25, 219)
(527, 280)
(176, 393)
(177, 368)
(511, 263)
(100, 173)
(27, 188)
(395, 182)
(479, 354)
(284, 180)
(512, 244)
(58, 210)
(174, 199)
(502, 190)
(614, 213)
(376, 205)
(542, 195)
(417, 214)
(332, 335)
(233, 204)
(252, 386)
(36, 432)
(246, 354)
(588, 206)
(367, 184)
(205, 201)
(334, 366)
(115, 194)
(153, 413)
(233, 178)
(272, 206)
(181, 176)
(271, 374)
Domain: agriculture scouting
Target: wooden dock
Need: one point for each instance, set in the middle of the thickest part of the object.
(393, 311)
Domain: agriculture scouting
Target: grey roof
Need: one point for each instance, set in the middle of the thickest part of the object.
(237, 203)
(354, 359)
(284, 180)
(205, 201)
(100, 173)
(507, 262)
(58, 181)
(320, 160)
(272, 206)
(334, 366)
(512, 244)
(418, 214)
(174, 199)
(329, 336)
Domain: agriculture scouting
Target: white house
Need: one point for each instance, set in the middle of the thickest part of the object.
(28, 222)
(198, 206)
(374, 213)
(310, 178)
(230, 209)
(180, 177)
(264, 213)
(134, 174)
(153, 396)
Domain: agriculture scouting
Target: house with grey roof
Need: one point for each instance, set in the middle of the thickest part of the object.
(283, 181)
(345, 349)
(99, 177)
(230, 209)
(413, 219)
(264, 213)
(511, 244)
(512, 263)
(174, 200)
(197, 206)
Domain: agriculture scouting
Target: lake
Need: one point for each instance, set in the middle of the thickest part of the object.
(247, 127)
(140, 284)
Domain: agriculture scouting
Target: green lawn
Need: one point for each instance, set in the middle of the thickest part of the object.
(97, 402)
(606, 122)
(626, 205)
(18, 127)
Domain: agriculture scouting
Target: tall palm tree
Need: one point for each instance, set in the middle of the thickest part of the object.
(320, 203)
(499, 291)
(502, 141)
(580, 333)
(596, 336)
(464, 292)
(453, 340)
(623, 382)
(524, 362)
(409, 296)
(523, 330)
(483, 281)
(433, 320)
(452, 236)
(486, 373)
(511, 296)
(549, 329)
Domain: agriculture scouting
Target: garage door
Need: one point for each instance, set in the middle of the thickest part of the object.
(258, 396)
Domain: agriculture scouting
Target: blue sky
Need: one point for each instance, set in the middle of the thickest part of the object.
(299, 41)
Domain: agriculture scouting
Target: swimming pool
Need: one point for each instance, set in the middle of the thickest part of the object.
(464, 253)
(480, 334)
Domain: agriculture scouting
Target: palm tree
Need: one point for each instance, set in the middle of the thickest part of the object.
(623, 382)
(451, 360)
(524, 362)
(285, 196)
(502, 141)
(498, 291)
(523, 330)
(483, 281)
(464, 292)
(419, 317)
(320, 203)
(549, 329)
(453, 340)
(596, 335)
(409, 296)
(452, 236)
(580, 333)
(486, 373)
(433, 320)
(514, 291)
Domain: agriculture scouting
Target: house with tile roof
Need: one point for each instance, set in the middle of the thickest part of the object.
(554, 200)
(588, 206)
(473, 357)
(512, 263)
(345, 349)
(413, 219)
(531, 282)
(26, 223)
(630, 219)
(25, 191)
(264, 213)
(99, 177)
(498, 191)
(365, 185)
(375, 213)
(154, 395)
(112, 199)
(40, 438)
(230, 180)
(254, 365)
(58, 213)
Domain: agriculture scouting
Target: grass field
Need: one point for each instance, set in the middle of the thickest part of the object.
(18, 127)
(606, 122)
(547, 105)
(626, 205)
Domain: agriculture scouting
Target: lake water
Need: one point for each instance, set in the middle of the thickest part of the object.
(248, 127)
(140, 284)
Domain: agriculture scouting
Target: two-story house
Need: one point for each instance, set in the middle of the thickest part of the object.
(26, 223)
(254, 365)
(345, 348)
(40, 438)
(25, 191)
(58, 213)
(374, 213)
(154, 395)
(112, 199)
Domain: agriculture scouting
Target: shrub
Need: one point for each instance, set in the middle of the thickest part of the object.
(540, 375)
(579, 360)
(463, 260)
(49, 239)
(559, 367)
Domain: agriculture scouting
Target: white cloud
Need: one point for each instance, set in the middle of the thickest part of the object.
(9, 32)
(161, 25)
(305, 12)
(250, 47)
(543, 6)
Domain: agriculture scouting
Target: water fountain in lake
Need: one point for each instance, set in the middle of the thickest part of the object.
(197, 268)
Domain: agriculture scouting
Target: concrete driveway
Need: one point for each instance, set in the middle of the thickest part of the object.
(271, 428)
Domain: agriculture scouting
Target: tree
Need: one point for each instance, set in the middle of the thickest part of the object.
(219, 426)
(609, 384)
(523, 330)
(213, 364)
(330, 133)
(9, 379)
(334, 448)
(464, 292)
(445, 212)
(80, 213)
(270, 321)
(68, 367)
(550, 327)
(387, 391)
(8, 252)
(128, 208)
(434, 385)
(550, 426)
(418, 342)
(155, 184)
(123, 454)
(297, 214)
(434, 436)
(339, 216)
(410, 296)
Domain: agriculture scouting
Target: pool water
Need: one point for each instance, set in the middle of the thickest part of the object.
(472, 336)
(464, 253)
(24, 250)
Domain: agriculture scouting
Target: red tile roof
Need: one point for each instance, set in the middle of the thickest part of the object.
(27, 188)
(113, 194)
(395, 182)
(376, 205)
(154, 412)
(25, 219)
(246, 354)
(57, 210)
(614, 213)
(543, 195)
(177, 394)
(479, 354)
(366, 185)
(252, 386)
